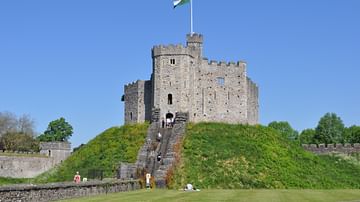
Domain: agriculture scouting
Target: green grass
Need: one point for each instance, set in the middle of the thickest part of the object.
(225, 156)
(7, 181)
(229, 195)
(105, 152)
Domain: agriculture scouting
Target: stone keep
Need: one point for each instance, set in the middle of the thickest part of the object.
(183, 80)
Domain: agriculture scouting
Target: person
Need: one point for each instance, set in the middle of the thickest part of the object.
(167, 123)
(159, 157)
(148, 176)
(163, 123)
(77, 177)
(190, 187)
(158, 138)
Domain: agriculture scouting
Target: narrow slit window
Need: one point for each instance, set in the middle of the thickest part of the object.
(172, 61)
(131, 116)
(170, 101)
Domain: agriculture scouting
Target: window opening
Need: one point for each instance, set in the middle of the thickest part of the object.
(170, 101)
(172, 61)
(221, 81)
(131, 116)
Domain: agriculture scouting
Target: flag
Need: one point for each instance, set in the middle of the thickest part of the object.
(180, 2)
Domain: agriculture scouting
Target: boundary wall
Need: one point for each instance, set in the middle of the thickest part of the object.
(332, 148)
(58, 191)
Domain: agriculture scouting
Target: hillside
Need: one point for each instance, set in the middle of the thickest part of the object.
(215, 155)
(104, 152)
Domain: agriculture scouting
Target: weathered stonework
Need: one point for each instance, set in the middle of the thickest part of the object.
(57, 191)
(31, 165)
(184, 81)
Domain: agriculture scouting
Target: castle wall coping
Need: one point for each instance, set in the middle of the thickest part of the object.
(346, 145)
(27, 187)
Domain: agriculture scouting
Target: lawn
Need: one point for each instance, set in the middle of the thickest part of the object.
(257, 195)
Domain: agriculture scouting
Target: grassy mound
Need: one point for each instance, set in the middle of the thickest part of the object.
(216, 155)
(117, 144)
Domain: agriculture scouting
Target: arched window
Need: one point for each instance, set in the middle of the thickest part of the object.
(49, 152)
(170, 101)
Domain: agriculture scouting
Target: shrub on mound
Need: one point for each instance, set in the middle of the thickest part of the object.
(216, 155)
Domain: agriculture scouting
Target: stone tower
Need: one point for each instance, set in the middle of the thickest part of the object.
(184, 81)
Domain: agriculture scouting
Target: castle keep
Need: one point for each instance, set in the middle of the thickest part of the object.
(183, 80)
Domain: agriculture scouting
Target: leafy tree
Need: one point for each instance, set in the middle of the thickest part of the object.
(57, 130)
(352, 134)
(307, 136)
(330, 129)
(285, 129)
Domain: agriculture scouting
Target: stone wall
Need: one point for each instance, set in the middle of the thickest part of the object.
(252, 102)
(24, 166)
(330, 148)
(28, 165)
(58, 151)
(138, 97)
(57, 191)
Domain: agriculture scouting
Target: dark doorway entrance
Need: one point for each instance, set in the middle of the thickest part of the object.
(169, 120)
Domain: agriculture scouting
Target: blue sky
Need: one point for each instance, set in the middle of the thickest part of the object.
(71, 58)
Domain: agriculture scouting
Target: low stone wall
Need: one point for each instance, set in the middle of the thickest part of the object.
(330, 148)
(23, 166)
(57, 191)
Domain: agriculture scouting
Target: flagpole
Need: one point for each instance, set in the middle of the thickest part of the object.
(191, 18)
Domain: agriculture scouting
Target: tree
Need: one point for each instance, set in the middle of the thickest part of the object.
(19, 142)
(8, 123)
(352, 134)
(285, 129)
(57, 130)
(17, 134)
(330, 129)
(307, 136)
(25, 124)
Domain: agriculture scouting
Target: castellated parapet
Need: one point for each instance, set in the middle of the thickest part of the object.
(184, 81)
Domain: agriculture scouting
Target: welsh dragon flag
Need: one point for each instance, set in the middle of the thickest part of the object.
(180, 2)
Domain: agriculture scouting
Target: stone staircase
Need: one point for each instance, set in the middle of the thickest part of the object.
(147, 156)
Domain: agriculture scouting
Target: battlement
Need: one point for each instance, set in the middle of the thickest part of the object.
(194, 38)
(331, 148)
(239, 64)
(171, 49)
(134, 84)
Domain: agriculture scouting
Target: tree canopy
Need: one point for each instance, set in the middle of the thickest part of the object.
(307, 136)
(285, 129)
(57, 130)
(330, 129)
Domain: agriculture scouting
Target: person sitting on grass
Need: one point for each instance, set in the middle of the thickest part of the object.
(190, 187)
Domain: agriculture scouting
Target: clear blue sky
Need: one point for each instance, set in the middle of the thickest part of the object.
(71, 58)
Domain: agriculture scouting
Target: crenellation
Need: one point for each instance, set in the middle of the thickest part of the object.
(346, 148)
